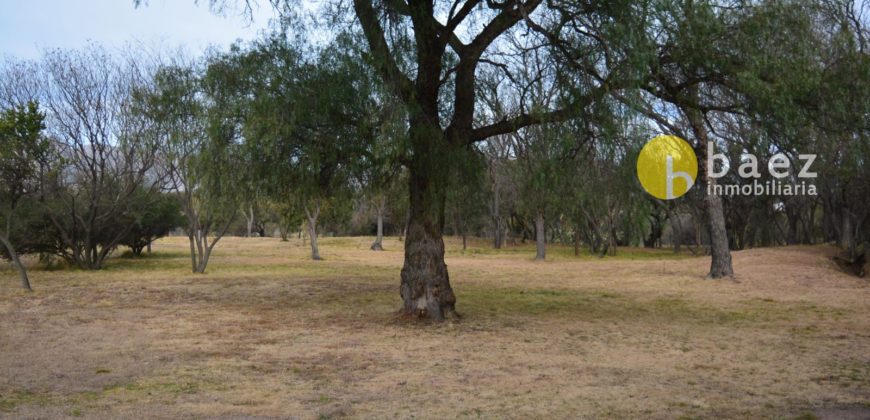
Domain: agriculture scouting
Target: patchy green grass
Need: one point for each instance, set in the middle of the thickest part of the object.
(267, 332)
(10, 400)
(602, 305)
(562, 252)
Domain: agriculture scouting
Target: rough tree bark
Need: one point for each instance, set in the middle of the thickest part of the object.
(425, 287)
(540, 239)
(720, 264)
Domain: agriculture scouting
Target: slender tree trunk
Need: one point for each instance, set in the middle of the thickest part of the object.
(201, 236)
(677, 232)
(284, 231)
(203, 260)
(793, 218)
(808, 224)
(206, 248)
(16, 261)
(540, 238)
(404, 231)
(148, 248)
(720, 264)
(846, 237)
(378, 245)
(193, 254)
(577, 240)
(498, 236)
(200, 250)
(249, 218)
(312, 231)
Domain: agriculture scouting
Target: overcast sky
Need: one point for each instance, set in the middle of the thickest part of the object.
(29, 26)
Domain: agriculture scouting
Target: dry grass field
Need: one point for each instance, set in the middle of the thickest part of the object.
(268, 333)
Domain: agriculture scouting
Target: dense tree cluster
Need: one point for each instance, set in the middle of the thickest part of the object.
(513, 120)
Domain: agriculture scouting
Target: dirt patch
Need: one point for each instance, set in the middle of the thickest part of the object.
(268, 333)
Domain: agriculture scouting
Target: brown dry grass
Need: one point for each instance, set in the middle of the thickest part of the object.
(268, 333)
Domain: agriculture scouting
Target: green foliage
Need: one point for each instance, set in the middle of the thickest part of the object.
(307, 118)
(158, 219)
(468, 194)
(23, 151)
(194, 117)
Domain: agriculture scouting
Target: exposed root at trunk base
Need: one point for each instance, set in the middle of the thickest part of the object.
(422, 316)
(720, 274)
(377, 247)
(730, 277)
(720, 265)
(425, 287)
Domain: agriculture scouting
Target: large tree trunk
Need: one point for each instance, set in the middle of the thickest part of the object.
(720, 265)
(425, 287)
(16, 261)
(540, 239)
(378, 245)
(312, 216)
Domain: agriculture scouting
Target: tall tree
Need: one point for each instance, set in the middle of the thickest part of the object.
(451, 41)
(23, 154)
(195, 154)
(310, 123)
(108, 149)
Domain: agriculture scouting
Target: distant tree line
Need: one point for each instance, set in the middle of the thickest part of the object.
(524, 125)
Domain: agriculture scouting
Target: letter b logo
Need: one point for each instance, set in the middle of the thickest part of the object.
(667, 167)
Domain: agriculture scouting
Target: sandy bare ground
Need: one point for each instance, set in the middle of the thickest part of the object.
(268, 333)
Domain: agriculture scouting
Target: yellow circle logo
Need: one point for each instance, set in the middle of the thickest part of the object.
(667, 167)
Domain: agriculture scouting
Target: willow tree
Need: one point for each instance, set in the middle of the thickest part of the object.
(431, 53)
(197, 152)
(451, 43)
(308, 122)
